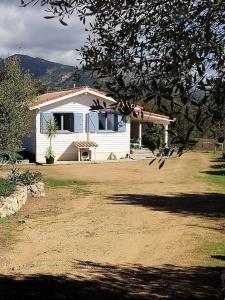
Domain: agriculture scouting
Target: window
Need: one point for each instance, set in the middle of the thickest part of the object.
(65, 121)
(106, 121)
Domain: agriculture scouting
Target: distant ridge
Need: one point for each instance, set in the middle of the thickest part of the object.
(51, 74)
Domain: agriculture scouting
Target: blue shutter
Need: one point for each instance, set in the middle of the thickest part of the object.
(43, 121)
(78, 122)
(121, 123)
(93, 121)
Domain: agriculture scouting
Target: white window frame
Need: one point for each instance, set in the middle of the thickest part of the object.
(106, 123)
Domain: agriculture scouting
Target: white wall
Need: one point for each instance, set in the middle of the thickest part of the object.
(116, 142)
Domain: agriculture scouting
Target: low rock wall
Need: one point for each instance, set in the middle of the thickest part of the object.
(36, 190)
(11, 204)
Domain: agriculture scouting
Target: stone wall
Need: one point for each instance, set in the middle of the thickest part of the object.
(36, 190)
(11, 204)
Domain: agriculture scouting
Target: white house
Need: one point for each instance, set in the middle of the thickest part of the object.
(84, 134)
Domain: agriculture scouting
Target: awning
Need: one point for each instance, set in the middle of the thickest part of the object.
(85, 144)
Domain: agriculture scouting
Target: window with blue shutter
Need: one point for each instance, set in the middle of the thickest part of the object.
(92, 122)
(78, 122)
(106, 121)
(65, 122)
(111, 122)
(102, 125)
(121, 123)
(44, 117)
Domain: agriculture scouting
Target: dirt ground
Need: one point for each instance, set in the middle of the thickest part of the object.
(129, 223)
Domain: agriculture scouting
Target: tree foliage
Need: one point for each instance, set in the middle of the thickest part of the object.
(156, 50)
(16, 90)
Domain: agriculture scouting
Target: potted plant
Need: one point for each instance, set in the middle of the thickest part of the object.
(50, 156)
(51, 131)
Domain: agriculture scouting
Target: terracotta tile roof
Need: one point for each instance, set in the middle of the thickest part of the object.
(139, 109)
(154, 114)
(85, 144)
(55, 95)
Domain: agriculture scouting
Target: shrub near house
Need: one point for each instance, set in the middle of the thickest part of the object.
(7, 187)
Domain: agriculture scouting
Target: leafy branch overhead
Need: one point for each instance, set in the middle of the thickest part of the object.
(167, 53)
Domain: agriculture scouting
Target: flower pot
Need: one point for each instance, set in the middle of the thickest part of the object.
(49, 160)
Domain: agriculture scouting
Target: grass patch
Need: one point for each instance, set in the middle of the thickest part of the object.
(6, 187)
(59, 183)
(79, 187)
(216, 174)
(215, 252)
(214, 248)
(217, 179)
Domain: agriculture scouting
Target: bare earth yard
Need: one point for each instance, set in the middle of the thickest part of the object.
(123, 231)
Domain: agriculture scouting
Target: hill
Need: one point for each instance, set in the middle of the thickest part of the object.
(51, 74)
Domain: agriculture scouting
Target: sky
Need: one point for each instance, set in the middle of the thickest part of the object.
(25, 31)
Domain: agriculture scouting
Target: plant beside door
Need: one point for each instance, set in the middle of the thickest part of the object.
(51, 132)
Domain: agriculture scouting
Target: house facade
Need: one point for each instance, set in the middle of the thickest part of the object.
(82, 134)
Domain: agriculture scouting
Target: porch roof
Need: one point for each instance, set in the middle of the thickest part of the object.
(149, 117)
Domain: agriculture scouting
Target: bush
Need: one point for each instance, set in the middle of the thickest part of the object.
(6, 187)
(25, 178)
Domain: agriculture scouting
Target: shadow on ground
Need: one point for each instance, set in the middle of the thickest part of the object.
(204, 205)
(216, 171)
(218, 168)
(219, 257)
(116, 282)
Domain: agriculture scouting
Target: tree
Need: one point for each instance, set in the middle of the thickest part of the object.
(156, 50)
(16, 90)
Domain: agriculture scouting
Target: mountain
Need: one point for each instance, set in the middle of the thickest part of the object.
(51, 74)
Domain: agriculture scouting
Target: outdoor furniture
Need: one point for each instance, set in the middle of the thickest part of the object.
(164, 152)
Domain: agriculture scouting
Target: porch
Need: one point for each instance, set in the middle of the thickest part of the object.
(137, 124)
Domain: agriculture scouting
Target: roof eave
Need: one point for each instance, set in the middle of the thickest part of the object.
(84, 91)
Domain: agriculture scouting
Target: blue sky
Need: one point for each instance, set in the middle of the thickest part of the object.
(25, 31)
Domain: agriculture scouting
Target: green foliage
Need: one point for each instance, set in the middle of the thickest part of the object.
(16, 90)
(49, 153)
(6, 187)
(51, 131)
(134, 146)
(24, 178)
(51, 128)
(153, 136)
(156, 51)
(40, 87)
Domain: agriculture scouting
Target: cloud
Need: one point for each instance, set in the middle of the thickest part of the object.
(25, 31)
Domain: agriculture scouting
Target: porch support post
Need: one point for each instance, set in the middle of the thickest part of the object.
(166, 134)
(140, 135)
